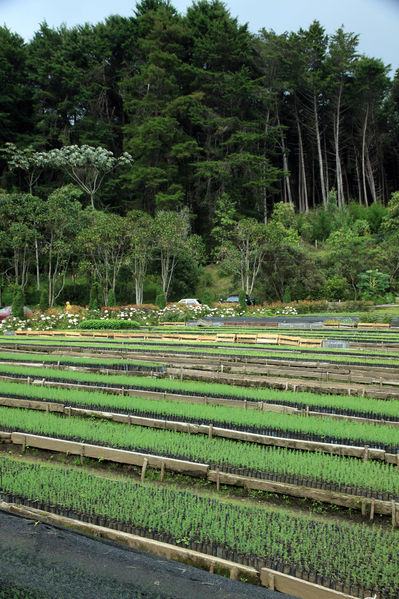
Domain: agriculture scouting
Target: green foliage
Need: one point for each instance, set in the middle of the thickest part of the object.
(287, 295)
(337, 288)
(109, 323)
(249, 530)
(160, 299)
(217, 451)
(206, 299)
(111, 298)
(95, 301)
(373, 284)
(44, 304)
(18, 302)
(242, 300)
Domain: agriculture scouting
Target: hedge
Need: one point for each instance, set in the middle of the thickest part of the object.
(110, 323)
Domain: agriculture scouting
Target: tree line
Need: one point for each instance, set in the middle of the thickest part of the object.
(57, 248)
(206, 108)
(141, 148)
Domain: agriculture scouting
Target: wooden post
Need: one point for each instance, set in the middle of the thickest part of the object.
(82, 453)
(270, 581)
(234, 573)
(23, 443)
(366, 453)
(307, 410)
(162, 471)
(397, 460)
(393, 513)
(217, 479)
(212, 568)
(210, 431)
(143, 469)
(245, 404)
(372, 508)
(363, 507)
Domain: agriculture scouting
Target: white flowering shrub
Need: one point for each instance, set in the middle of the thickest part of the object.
(145, 315)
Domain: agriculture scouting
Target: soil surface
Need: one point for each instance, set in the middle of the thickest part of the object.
(52, 562)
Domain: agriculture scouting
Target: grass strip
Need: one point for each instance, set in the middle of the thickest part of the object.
(216, 452)
(301, 426)
(351, 554)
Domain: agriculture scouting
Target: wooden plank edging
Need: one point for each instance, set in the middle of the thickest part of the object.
(204, 429)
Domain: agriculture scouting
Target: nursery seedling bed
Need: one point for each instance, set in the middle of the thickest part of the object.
(248, 403)
(6, 373)
(313, 370)
(277, 582)
(310, 538)
(120, 442)
(189, 391)
(232, 353)
(126, 365)
(175, 343)
(332, 443)
(76, 367)
(318, 371)
(351, 498)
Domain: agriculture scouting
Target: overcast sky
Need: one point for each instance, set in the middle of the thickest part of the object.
(376, 21)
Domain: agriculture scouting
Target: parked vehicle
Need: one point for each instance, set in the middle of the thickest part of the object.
(234, 299)
(190, 302)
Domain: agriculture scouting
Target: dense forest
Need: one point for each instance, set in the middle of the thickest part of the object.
(198, 126)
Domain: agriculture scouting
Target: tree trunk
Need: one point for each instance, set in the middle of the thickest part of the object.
(364, 156)
(370, 176)
(303, 188)
(338, 168)
(37, 264)
(319, 151)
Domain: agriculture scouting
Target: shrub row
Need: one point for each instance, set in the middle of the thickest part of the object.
(110, 323)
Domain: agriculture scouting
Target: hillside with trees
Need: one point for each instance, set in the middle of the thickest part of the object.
(137, 151)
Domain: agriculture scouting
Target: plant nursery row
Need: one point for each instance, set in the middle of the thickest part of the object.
(266, 423)
(345, 405)
(369, 479)
(222, 349)
(44, 359)
(352, 558)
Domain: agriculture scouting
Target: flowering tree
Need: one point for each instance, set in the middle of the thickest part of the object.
(87, 165)
(28, 160)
